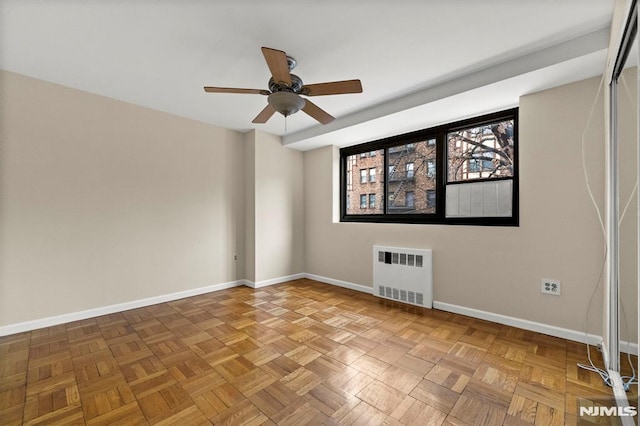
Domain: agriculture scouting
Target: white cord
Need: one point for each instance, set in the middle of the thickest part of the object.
(624, 211)
(591, 367)
(584, 161)
(630, 380)
(627, 381)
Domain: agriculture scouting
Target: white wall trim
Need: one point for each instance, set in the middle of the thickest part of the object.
(538, 327)
(339, 283)
(106, 310)
(272, 281)
(627, 347)
(550, 330)
(134, 304)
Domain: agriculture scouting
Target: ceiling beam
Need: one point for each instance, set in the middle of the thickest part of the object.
(468, 80)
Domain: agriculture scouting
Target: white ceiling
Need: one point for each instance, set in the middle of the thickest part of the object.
(421, 62)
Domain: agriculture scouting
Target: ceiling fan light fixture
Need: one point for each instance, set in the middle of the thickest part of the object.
(286, 103)
(285, 90)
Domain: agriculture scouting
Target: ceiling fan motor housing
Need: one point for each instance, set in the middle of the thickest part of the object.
(296, 85)
(291, 63)
(285, 89)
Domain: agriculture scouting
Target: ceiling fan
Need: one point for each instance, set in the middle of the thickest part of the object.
(285, 90)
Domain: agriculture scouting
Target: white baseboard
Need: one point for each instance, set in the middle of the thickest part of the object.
(550, 330)
(273, 281)
(564, 333)
(627, 347)
(339, 283)
(106, 310)
(120, 307)
(538, 327)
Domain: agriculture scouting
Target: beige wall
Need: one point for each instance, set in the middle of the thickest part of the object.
(103, 202)
(249, 206)
(279, 214)
(493, 269)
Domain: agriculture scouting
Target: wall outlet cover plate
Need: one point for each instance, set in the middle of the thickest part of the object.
(549, 286)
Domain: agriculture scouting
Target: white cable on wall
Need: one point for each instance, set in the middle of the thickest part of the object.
(630, 380)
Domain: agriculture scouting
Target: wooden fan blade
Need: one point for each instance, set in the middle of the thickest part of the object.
(277, 62)
(264, 115)
(316, 112)
(210, 89)
(332, 88)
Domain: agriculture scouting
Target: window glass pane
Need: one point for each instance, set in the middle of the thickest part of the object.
(431, 167)
(408, 196)
(411, 174)
(431, 198)
(483, 152)
(409, 167)
(364, 190)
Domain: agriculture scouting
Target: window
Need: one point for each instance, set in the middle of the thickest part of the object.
(363, 201)
(349, 172)
(481, 152)
(484, 162)
(363, 176)
(409, 167)
(404, 176)
(408, 199)
(459, 173)
(431, 198)
(431, 167)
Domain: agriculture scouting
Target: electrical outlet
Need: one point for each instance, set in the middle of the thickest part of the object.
(235, 257)
(550, 287)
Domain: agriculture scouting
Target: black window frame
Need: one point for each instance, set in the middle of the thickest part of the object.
(439, 133)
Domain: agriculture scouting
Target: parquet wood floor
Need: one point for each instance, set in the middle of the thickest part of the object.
(297, 353)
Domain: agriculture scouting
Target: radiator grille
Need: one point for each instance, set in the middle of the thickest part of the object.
(403, 274)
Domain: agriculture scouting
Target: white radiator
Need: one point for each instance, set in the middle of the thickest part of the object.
(403, 274)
